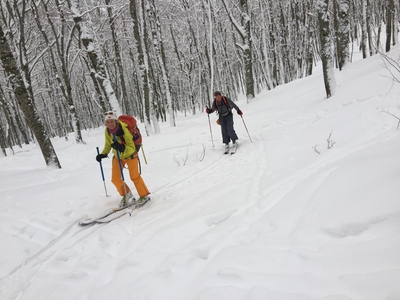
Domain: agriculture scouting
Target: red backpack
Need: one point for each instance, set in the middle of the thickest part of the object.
(132, 126)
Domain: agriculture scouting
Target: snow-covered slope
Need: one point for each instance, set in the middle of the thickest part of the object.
(283, 218)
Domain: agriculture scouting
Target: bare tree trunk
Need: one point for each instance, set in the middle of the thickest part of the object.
(10, 135)
(160, 55)
(326, 43)
(364, 33)
(342, 32)
(118, 58)
(248, 56)
(245, 33)
(26, 102)
(264, 40)
(395, 29)
(389, 23)
(138, 21)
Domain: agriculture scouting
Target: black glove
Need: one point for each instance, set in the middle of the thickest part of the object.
(239, 112)
(209, 111)
(99, 157)
(117, 146)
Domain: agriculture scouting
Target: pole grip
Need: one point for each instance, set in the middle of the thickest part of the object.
(102, 172)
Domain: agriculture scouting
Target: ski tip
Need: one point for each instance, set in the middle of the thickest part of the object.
(85, 221)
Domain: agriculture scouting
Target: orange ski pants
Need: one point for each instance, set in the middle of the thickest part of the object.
(133, 168)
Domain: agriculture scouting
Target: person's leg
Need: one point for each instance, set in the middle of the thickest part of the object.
(224, 131)
(230, 131)
(133, 167)
(116, 178)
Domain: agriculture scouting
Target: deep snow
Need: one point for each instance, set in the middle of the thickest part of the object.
(277, 220)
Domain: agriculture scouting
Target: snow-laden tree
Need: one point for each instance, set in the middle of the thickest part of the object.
(58, 51)
(158, 44)
(25, 101)
(96, 61)
(112, 20)
(244, 29)
(136, 10)
(154, 58)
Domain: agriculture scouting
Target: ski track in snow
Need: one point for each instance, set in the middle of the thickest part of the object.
(255, 193)
(271, 197)
(12, 282)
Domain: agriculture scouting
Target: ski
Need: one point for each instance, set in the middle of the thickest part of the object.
(89, 220)
(233, 151)
(116, 215)
(122, 212)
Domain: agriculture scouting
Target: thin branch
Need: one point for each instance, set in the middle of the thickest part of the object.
(398, 124)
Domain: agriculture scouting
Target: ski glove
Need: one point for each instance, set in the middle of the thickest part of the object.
(209, 111)
(240, 113)
(118, 146)
(99, 157)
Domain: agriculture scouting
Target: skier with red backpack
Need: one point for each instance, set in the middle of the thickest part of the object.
(223, 105)
(125, 140)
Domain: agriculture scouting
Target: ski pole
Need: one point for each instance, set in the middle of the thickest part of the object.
(144, 155)
(102, 172)
(246, 129)
(209, 123)
(120, 164)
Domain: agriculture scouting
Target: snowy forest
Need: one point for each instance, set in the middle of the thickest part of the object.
(63, 63)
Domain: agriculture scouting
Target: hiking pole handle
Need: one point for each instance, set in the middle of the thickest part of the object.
(102, 172)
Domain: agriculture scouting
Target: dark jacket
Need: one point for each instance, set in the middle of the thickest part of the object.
(224, 107)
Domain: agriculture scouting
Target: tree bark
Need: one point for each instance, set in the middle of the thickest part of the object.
(326, 43)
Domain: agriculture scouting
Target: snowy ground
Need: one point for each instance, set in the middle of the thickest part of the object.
(277, 220)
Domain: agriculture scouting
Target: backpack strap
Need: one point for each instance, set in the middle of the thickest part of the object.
(225, 101)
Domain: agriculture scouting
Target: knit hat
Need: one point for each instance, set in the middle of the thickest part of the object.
(110, 115)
